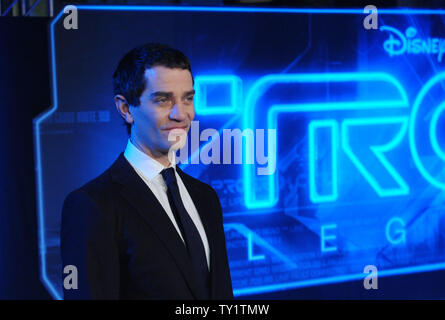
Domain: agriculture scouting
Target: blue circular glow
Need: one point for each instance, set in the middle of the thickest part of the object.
(433, 131)
(412, 131)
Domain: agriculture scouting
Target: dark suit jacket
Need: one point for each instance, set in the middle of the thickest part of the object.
(124, 245)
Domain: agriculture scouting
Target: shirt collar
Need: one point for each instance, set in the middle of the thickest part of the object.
(142, 162)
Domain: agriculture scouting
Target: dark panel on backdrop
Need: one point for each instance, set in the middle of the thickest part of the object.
(24, 93)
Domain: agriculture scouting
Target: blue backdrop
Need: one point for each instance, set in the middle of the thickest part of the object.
(352, 129)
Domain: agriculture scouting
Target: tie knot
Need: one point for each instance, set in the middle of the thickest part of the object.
(169, 176)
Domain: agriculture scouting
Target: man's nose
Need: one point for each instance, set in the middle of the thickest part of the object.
(178, 112)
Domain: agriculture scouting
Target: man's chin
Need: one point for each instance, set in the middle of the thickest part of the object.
(177, 139)
(176, 146)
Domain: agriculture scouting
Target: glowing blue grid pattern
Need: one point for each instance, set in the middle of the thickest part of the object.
(202, 84)
(357, 172)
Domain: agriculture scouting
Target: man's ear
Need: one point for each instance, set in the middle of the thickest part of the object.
(123, 108)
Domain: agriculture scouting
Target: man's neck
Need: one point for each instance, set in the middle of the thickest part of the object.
(162, 158)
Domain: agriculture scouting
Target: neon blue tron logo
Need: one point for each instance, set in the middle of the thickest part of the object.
(264, 84)
(339, 133)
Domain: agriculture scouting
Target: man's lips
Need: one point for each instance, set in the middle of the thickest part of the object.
(181, 128)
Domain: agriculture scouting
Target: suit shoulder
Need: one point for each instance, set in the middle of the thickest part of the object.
(98, 189)
(101, 184)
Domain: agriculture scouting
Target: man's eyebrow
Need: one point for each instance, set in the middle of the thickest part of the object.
(161, 94)
(169, 94)
(188, 93)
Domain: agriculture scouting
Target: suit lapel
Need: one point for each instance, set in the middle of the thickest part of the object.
(204, 208)
(145, 202)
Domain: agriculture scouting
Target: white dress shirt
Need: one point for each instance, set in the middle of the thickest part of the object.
(150, 172)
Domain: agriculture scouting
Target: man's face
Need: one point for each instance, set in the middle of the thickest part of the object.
(166, 104)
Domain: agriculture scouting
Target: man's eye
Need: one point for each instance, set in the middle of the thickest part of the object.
(161, 100)
(189, 99)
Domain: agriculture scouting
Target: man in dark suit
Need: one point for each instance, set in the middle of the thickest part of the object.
(145, 229)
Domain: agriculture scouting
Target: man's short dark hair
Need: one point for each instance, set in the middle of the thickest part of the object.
(128, 78)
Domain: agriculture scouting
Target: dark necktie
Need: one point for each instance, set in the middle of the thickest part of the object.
(188, 229)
